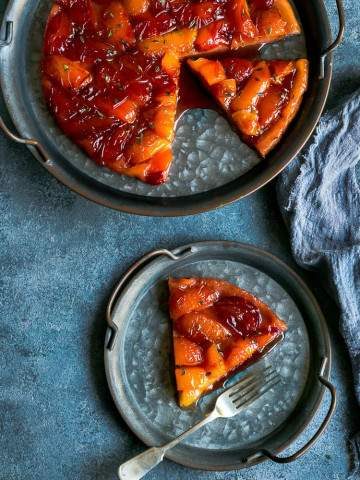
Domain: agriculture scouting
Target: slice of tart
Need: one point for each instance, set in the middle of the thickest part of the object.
(260, 98)
(218, 329)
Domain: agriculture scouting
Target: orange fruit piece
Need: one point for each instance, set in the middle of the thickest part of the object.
(190, 378)
(193, 298)
(170, 63)
(136, 7)
(187, 353)
(146, 146)
(244, 26)
(125, 110)
(271, 24)
(257, 84)
(213, 36)
(69, 74)
(180, 42)
(153, 171)
(210, 71)
(242, 351)
(224, 91)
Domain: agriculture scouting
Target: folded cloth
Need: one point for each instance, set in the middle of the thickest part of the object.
(319, 196)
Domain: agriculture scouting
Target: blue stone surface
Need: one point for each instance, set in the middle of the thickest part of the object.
(60, 256)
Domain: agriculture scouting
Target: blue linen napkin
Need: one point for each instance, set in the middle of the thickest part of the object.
(319, 197)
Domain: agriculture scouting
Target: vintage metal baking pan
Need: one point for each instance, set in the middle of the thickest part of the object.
(138, 358)
(212, 166)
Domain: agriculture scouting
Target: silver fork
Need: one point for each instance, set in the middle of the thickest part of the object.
(228, 404)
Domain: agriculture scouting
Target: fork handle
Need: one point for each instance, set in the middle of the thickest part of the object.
(140, 465)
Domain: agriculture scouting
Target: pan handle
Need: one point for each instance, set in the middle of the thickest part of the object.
(27, 141)
(8, 30)
(124, 279)
(337, 41)
(318, 433)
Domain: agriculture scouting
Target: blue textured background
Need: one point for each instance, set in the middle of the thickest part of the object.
(60, 256)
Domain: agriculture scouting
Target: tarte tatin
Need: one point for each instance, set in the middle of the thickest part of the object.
(218, 329)
(110, 74)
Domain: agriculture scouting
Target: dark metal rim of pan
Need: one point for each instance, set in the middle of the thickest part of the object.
(151, 266)
(319, 45)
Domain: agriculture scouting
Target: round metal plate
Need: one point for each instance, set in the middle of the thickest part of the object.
(211, 171)
(140, 372)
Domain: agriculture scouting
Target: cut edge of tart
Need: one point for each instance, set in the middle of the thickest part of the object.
(260, 98)
(218, 329)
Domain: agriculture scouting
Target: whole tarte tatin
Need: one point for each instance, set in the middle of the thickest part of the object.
(110, 72)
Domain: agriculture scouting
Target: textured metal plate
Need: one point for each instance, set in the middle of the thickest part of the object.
(139, 368)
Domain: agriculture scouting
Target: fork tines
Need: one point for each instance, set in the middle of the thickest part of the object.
(252, 387)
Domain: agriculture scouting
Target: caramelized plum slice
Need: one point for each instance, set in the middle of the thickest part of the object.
(180, 42)
(82, 12)
(239, 314)
(117, 24)
(271, 23)
(192, 298)
(215, 35)
(154, 171)
(240, 353)
(204, 13)
(190, 378)
(136, 7)
(269, 106)
(59, 31)
(203, 327)
(244, 25)
(225, 91)
(237, 68)
(125, 109)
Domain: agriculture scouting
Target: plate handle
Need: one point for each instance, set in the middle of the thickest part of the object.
(319, 432)
(337, 41)
(122, 282)
(27, 141)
